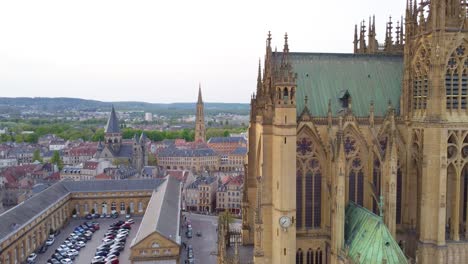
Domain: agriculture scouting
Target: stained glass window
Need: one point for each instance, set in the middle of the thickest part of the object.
(456, 80)
(310, 256)
(308, 199)
(352, 186)
(299, 194)
(299, 257)
(317, 199)
(398, 196)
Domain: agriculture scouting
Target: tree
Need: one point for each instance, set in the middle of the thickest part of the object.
(226, 133)
(74, 211)
(51, 231)
(128, 209)
(37, 156)
(57, 160)
(152, 161)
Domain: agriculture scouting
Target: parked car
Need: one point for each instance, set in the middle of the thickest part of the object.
(98, 260)
(32, 257)
(130, 221)
(101, 253)
(189, 233)
(66, 261)
(43, 249)
(127, 216)
(89, 216)
(53, 261)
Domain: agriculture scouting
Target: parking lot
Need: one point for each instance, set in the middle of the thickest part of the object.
(86, 254)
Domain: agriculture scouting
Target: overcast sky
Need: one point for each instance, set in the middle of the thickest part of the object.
(158, 51)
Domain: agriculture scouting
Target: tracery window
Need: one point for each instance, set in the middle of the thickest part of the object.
(456, 79)
(420, 79)
(299, 194)
(355, 170)
(299, 257)
(376, 179)
(310, 256)
(398, 194)
(308, 184)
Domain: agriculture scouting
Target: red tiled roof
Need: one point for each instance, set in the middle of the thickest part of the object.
(180, 175)
(103, 176)
(90, 165)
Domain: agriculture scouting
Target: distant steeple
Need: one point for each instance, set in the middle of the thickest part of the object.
(200, 118)
(112, 123)
(200, 100)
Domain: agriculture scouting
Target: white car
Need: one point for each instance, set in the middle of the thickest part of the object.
(81, 244)
(97, 259)
(73, 251)
(50, 241)
(130, 221)
(32, 257)
(66, 261)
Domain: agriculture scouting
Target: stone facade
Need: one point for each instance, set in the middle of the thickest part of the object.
(405, 158)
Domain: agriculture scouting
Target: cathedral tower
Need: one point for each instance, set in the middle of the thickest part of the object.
(200, 119)
(434, 102)
(113, 136)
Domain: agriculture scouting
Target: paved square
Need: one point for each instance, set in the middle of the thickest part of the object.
(87, 253)
(203, 246)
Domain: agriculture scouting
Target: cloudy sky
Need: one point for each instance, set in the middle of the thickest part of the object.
(158, 51)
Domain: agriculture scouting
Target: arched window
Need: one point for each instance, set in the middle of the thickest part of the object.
(398, 194)
(377, 175)
(310, 256)
(420, 79)
(355, 170)
(299, 194)
(309, 186)
(299, 257)
(456, 79)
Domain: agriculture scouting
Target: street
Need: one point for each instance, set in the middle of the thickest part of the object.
(204, 246)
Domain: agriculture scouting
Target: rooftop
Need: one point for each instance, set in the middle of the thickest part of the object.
(28, 210)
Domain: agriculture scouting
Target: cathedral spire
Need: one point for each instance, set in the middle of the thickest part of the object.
(112, 123)
(200, 100)
(355, 39)
(259, 78)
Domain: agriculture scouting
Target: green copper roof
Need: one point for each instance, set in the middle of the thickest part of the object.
(367, 78)
(368, 239)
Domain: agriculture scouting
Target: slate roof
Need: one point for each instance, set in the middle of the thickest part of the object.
(176, 152)
(367, 78)
(227, 140)
(112, 123)
(368, 239)
(163, 213)
(201, 180)
(240, 151)
(28, 210)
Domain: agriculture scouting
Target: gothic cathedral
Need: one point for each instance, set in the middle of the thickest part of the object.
(362, 158)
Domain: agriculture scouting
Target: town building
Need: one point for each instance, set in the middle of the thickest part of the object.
(149, 172)
(158, 238)
(80, 153)
(226, 144)
(149, 117)
(117, 151)
(201, 194)
(26, 227)
(194, 159)
(229, 195)
(376, 145)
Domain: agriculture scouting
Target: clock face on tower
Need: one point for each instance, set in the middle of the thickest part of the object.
(285, 221)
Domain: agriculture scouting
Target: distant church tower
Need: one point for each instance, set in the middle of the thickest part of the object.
(200, 119)
(113, 137)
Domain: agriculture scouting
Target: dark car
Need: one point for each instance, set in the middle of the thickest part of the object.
(101, 253)
(57, 256)
(114, 252)
(53, 261)
(89, 216)
(43, 249)
(189, 234)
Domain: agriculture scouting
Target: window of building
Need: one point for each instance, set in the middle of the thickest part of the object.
(456, 79)
(140, 207)
(122, 206)
(131, 207)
